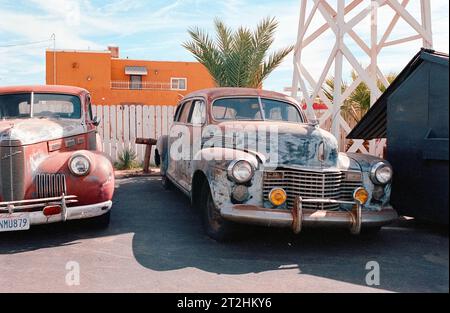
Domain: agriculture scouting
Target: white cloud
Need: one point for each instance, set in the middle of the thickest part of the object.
(75, 25)
(159, 27)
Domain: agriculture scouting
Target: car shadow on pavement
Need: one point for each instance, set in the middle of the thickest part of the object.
(48, 236)
(170, 236)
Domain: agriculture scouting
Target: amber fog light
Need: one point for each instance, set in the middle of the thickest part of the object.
(240, 193)
(277, 196)
(361, 195)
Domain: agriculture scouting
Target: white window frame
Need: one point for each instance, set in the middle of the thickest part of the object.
(178, 78)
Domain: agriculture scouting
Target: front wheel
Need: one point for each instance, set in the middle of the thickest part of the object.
(214, 224)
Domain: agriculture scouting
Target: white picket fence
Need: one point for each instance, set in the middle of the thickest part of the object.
(122, 124)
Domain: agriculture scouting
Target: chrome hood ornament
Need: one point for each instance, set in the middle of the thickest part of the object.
(321, 152)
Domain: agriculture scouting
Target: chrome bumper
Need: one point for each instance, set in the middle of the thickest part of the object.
(298, 217)
(34, 209)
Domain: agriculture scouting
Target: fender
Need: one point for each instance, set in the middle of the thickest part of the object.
(218, 157)
(213, 163)
(345, 162)
(365, 161)
(97, 186)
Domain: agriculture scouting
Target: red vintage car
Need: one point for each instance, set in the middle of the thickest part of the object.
(51, 167)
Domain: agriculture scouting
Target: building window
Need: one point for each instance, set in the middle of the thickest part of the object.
(178, 83)
(135, 82)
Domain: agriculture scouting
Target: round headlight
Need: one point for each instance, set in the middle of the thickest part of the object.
(381, 173)
(79, 165)
(240, 171)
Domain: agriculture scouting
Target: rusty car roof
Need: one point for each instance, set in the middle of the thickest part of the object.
(44, 88)
(214, 93)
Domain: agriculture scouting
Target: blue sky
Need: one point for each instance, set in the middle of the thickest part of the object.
(155, 29)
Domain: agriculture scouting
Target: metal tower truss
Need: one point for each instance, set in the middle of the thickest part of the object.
(345, 22)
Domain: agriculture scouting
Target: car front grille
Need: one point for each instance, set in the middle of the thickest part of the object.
(50, 185)
(12, 182)
(348, 188)
(310, 185)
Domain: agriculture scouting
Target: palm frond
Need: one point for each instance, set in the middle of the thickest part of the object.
(270, 65)
(262, 39)
(237, 58)
(204, 50)
(358, 103)
(224, 36)
(238, 64)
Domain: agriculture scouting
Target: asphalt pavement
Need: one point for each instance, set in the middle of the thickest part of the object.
(155, 243)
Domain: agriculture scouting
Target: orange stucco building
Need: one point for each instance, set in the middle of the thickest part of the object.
(115, 81)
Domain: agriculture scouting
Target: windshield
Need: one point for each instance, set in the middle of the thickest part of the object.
(229, 109)
(14, 106)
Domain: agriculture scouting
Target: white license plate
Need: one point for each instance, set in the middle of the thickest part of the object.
(12, 222)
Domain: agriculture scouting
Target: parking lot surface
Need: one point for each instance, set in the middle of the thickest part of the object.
(155, 243)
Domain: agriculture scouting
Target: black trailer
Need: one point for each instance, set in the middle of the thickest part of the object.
(413, 115)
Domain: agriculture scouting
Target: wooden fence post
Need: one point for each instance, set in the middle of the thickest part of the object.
(149, 143)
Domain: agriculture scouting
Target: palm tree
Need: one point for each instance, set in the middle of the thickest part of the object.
(237, 58)
(358, 103)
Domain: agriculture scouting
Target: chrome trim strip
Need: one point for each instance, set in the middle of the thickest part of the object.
(36, 200)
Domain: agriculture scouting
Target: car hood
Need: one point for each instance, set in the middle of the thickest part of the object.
(34, 130)
(290, 144)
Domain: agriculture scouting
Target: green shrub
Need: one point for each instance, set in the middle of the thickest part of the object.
(127, 160)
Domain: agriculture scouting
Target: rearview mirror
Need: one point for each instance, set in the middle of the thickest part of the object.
(96, 121)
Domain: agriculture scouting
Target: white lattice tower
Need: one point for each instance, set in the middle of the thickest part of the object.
(343, 26)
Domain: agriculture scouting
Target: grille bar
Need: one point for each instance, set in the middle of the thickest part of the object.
(12, 164)
(309, 185)
(347, 189)
(50, 185)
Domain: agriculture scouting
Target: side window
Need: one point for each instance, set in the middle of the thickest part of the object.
(198, 113)
(176, 116)
(185, 111)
